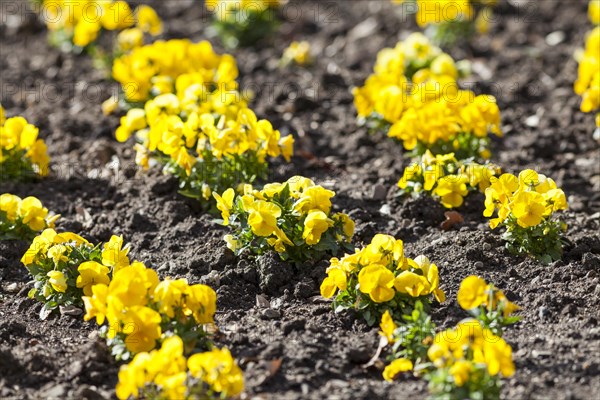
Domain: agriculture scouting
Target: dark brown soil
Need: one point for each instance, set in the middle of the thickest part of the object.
(99, 191)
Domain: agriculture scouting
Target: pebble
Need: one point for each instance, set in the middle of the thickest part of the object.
(385, 209)
(532, 121)
(211, 279)
(261, 301)
(555, 38)
(379, 192)
(478, 265)
(543, 312)
(70, 310)
(305, 389)
(166, 266)
(277, 303)
(12, 288)
(541, 353)
(338, 384)
(487, 246)
(58, 391)
(439, 241)
(269, 313)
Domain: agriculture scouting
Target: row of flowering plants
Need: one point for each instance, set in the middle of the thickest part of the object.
(65, 266)
(193, 121)
(414, 96)
(162, 327)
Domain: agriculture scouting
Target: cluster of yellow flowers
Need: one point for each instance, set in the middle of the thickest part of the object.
(486, 303)
(293, 218)
(23, 218)
(137, 306)
(141, 310)
(65, 266)
(587, 84)
(379, 277)
(449, 21)
(22, 154)
(243, 22)
(80, 22)
(197, 124)
(172, 67)
(414, 94)
(463, 362)
(473, 358)
(525, 206)
(475, 292)
(166, 373)
(446, 178)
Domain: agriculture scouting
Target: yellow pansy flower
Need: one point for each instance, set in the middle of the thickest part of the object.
(57, 281)
(387, 326)
(114, 254)
(529, 209)
(90, 274)
(461, 371)
(9, 203)
(263, 217)
(225, 203)
(396, 367)
(315, 198)
(410, 283)
(142, 327)
(472, 292)
(336, 279)
(95, 305)
(378, 282)
(218, 369)
(452, 189)
(315, 224)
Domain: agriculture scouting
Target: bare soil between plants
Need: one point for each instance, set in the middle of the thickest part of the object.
(297, 348)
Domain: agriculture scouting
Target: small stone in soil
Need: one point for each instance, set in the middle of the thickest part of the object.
(379, 192)
(277, 303)
(269, 313)
(70, 310)
(385, 209)
(261, 301)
